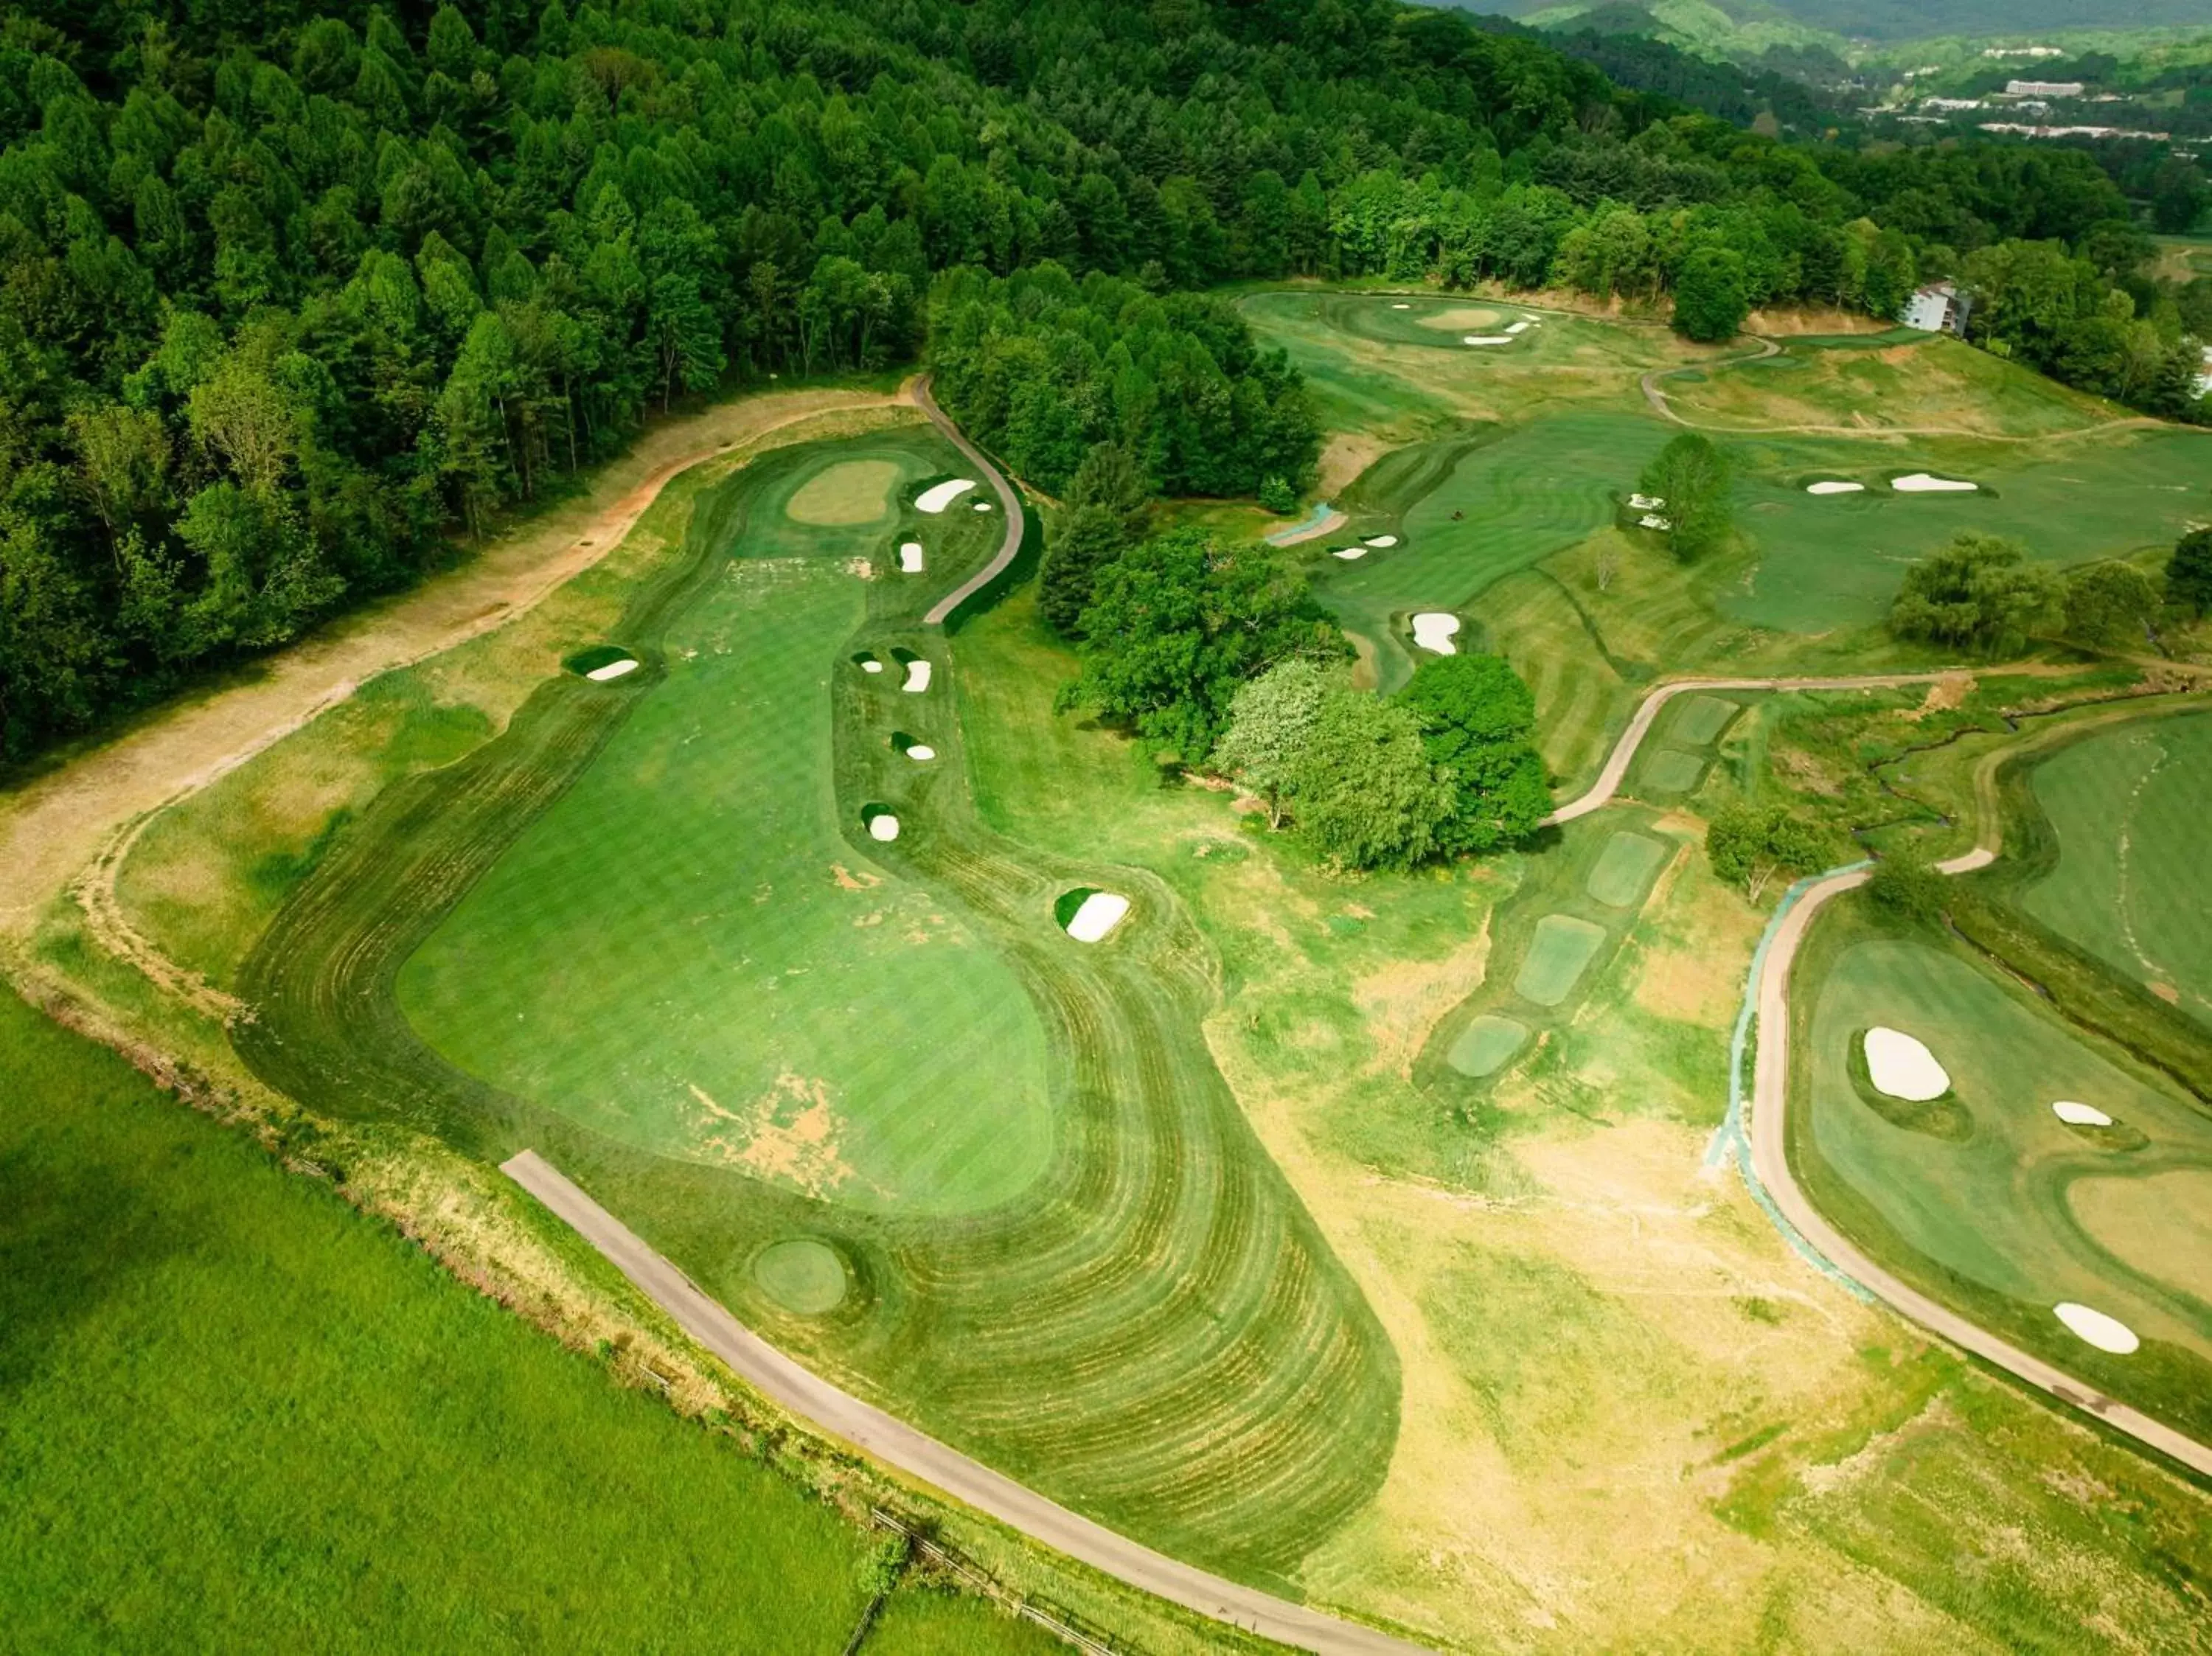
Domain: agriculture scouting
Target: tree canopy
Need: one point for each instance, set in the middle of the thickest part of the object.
(1979, 592)
(1479, 725)
(286, 297)
(1177, 624)
(1690, 476)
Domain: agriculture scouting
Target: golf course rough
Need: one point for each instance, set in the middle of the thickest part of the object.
(651, 937)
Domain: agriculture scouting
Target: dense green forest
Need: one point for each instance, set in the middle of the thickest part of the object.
(290, 293)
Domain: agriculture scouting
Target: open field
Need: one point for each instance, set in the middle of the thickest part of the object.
(1150, 1330)
(2129, 884)
(237, 1409)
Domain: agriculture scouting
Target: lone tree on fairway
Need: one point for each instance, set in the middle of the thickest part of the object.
(1749, 844)
(1270, 722)
(2110, 605)
(1363, 790)
(1478, 725)
(1691, 474)
(2188, 572)
(1710, 299)
(1102, 518)
(1177, 624)
(1980, 592)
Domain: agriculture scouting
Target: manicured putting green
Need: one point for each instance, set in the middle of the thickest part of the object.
(2132, 884)
(846, 496)
(687, 953)
(1702, 718)
(1672, 771)
(1487, 1045)
(1991, 1205)
(1624, 868)
(801, 1274)
(1561, 947)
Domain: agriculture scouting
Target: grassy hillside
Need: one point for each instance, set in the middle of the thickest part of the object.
(241, 1415)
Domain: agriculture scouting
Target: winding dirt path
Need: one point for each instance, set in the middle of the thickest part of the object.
(887, 1439)
(1770, 1094)
(53, 826)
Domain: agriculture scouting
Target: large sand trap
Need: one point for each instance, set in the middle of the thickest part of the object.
(1433, 630)
(882, 826)
(937, 496)
(1920, 482)
(917, 677)
(2105, 1333)
(851, 492)
(1381, 540)
(613, 670)
(910, 557)
(1488, 339)
(1835, 487)
(1517, 326)
(2079, 1115)
(1348, 553)
(1903, 1067)
(1101, 911)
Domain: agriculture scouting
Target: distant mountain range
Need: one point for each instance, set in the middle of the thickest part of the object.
(1910, 20)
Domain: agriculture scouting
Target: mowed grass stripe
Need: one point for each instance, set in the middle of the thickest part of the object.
(1150, 1329)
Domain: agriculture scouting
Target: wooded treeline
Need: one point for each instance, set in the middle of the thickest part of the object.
(290, 290)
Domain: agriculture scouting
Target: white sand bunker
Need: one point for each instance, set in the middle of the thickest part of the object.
(1401, 307)
(1487, 339)
(920, 752)
(1517, 326)
(1904, 1067)
(1102, 911)
(937, 496)
(613, 670)
(1653, 520)
(1646, 502)
(917, 677)
(910, 557)
(1835, 487)
(2105, 1333)
(872, 665)
(1433, 630)
(982, 506)
(2079, 1115)
(882, 826)
(1348, 553)
(1921, 482)
(1381, 540)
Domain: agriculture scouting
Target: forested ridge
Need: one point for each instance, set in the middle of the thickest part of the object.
(290, 293)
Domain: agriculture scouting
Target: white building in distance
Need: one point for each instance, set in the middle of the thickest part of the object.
(2045, 88)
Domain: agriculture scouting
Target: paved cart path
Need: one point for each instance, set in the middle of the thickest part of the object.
(1010, 508)
(835, 1410)
(1770, 1094)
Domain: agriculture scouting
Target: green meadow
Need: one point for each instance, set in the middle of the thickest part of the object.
(239, 1415)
